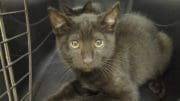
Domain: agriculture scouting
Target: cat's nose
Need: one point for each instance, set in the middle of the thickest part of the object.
(87, 60)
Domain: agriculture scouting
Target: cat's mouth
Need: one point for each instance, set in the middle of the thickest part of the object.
(87, 67)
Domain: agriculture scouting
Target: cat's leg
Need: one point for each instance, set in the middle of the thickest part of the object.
(124, 92)
(65, 93)
(72, 91)
(165, 48)
(157, 86)
(100, 97)
(130, 94)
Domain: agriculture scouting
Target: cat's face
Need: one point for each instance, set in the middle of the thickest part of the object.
(86, 41)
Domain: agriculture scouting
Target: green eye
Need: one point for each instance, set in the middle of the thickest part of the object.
(99, 43)
(74, 44)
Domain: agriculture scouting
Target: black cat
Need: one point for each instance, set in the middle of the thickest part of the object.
(111, 54)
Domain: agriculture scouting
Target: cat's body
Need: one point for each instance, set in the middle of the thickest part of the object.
(133, 52)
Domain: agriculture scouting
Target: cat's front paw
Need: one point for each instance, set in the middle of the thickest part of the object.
(157, 87)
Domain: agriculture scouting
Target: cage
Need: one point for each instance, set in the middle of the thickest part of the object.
(7, 62)
(30, 68)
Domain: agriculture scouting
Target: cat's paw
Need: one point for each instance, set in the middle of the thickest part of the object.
(157, 87)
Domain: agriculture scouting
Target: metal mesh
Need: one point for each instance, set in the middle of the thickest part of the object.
(7, 63)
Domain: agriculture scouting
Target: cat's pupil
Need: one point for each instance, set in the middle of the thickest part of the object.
(98, 42)
(74, 43)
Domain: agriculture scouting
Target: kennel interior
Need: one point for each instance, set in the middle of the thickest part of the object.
(8, 62)
(23, 27)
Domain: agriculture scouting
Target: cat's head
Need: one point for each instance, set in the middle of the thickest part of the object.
(87, 41)
(88, 7)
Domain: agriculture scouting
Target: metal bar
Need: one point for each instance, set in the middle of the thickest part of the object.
(14, 37)
(8, 58)
(19, 81)
(22, 99)
(29, 49)
(17, 60)
(42, 42)
(12, 12)
(31, 24)
(5, 74)
(3, 94)
(34, 50)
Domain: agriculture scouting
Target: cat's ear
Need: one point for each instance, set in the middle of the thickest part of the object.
(56, 18)
(88, 6)
(68, 10)
(110, 17)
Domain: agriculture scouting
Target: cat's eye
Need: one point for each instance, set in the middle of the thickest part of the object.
(74, 44)
(99, 43)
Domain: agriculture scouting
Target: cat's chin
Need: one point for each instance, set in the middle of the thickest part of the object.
(87, 69)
